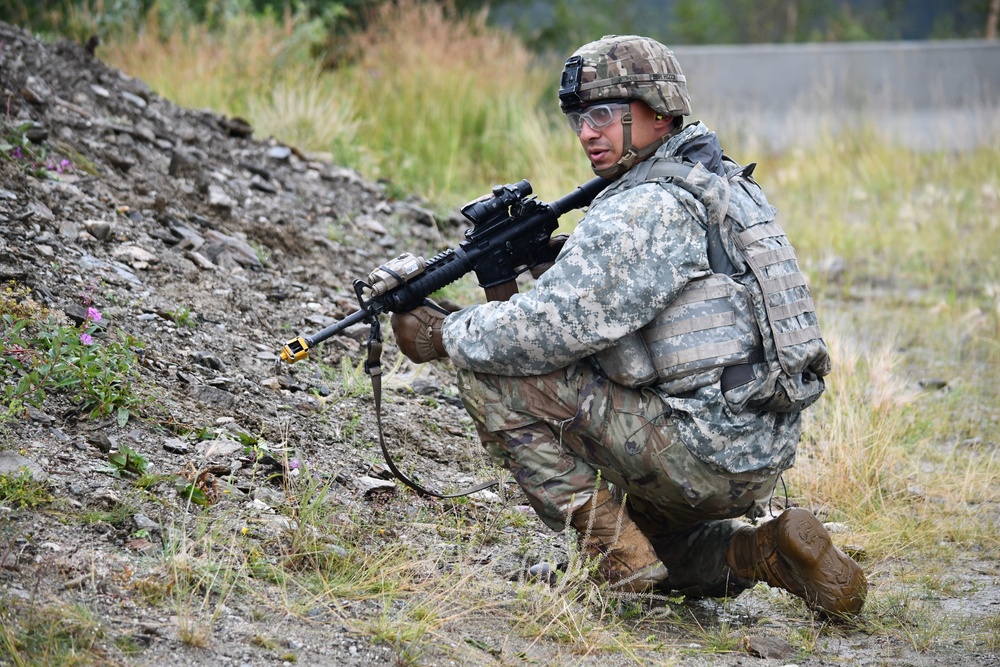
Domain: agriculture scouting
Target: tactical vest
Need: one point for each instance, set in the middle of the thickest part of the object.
(750, 325)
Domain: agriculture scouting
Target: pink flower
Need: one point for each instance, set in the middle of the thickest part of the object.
(86, 339)
(93, 314)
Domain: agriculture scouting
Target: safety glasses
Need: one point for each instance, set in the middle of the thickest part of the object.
(597, 115)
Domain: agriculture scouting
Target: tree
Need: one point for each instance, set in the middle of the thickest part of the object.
(991, 19)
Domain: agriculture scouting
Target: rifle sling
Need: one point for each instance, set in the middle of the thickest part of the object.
(373, 367)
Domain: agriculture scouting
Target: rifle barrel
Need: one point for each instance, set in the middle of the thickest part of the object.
(580, 197)
(336, 327)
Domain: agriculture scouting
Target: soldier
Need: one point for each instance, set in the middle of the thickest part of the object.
(650, 363)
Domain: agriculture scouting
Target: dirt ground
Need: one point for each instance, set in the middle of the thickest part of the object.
(212, 248)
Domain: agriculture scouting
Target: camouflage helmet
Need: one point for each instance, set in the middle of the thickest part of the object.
(625, 67)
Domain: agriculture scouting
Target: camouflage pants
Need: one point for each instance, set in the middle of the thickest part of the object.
(561, 434)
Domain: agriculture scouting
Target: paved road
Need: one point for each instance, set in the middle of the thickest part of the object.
(925, 95)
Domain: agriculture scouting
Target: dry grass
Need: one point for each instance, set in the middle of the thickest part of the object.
(197, 67)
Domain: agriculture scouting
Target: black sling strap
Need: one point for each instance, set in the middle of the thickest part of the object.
(373, 367)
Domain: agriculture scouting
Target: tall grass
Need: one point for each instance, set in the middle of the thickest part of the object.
(455, 100)
(226, 70)
(925, 220)
(435, 103)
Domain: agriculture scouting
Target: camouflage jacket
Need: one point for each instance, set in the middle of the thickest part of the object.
(631, 255)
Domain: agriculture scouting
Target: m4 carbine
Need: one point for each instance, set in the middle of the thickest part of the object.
(509, 235)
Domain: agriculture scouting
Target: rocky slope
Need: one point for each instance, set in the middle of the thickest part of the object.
(210, 248)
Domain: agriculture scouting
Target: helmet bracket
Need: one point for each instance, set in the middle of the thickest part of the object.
(569, 85)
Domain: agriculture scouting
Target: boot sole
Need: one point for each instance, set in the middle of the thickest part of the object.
(826, 577)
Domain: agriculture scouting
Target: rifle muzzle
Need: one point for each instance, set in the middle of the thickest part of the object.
(295, 350)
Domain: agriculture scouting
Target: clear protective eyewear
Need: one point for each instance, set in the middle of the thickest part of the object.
(597, 115)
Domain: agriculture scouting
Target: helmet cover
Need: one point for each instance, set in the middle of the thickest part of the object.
(625, 67)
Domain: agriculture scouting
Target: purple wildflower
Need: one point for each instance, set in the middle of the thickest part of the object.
(293, 464)
(93, 314)
(86, 339)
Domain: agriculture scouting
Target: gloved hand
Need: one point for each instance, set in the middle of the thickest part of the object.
(552, 251)
(418, 332)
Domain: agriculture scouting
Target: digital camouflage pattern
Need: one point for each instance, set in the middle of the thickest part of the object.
(689, 464)
(774, 318)
(628, 67)
(637, 248)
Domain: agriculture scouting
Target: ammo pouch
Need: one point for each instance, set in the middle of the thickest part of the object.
(792, 393)
(709, 326)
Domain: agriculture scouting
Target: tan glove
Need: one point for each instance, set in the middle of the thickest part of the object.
(552, 251)
(418, 332)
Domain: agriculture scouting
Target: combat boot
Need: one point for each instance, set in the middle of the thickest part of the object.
(795, 552)
(625, 558)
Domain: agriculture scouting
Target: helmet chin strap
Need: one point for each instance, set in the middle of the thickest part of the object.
(629, 153)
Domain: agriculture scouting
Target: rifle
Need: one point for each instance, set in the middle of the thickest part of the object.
(509, 235)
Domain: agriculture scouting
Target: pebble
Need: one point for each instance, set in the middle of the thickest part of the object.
(99, 229)
(143, 522)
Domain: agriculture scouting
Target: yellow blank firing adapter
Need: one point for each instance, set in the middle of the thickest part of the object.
(295, 350)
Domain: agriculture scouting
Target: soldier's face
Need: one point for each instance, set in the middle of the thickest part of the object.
(604, 146)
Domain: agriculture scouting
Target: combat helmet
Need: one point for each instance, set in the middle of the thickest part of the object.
(631, 67)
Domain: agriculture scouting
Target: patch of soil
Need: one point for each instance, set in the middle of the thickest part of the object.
(212, 248)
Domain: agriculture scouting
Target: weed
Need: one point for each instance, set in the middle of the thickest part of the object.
(991, 632)
(128, 645)
(720, 637)
(23, 490)
(201, 570)
(353, 380)
(119, 514)
(51, 635)
(263, 254)
(33, 159)
(126, 460)
(78, 161)
(182, 317)
(264, 642)
(43, 356)
(149, 481)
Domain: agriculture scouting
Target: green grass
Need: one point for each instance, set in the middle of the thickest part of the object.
(52, 635)
(23, 490)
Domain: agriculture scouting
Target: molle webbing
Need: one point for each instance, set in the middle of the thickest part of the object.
(749, 221)
(755, 307)
(708, 325)
(790, 309)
